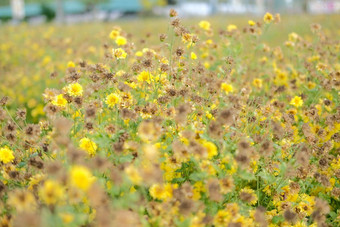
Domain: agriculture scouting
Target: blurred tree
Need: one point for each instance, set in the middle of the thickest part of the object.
(305, 6)
(48, 12)
(171, 2)
(4, 2)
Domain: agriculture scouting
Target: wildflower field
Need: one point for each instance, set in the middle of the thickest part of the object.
(217, 122)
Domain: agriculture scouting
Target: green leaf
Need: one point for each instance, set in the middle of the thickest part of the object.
(21, 164)
(277, 219)
(178, 180)
(247, 176)
(197, 176)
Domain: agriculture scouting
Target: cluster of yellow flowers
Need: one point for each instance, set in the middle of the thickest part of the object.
(203, 129)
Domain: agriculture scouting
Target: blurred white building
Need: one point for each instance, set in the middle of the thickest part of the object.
(208, 7)
(18, 9)
(324, 7)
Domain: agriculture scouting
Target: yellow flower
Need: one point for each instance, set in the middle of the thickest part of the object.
(161, 192)
(268, 18)
(313, 58)
(204, 24)
(112, 99)
(139, 54)
(222, 218)
(208, 42)
(208, 115)
(133, 85)
(211, 148)
(114, 34)
(198, 188)
(321, 66)
(88, 145)
(66, 217)
(227, 88)
(51, 192)
(119, 53)
(144, 76)
(248, 195)
(293, 37)
(81, 177)
(35, 180)
(193, 56)
(71, 64)
(281, 77)
(296, 101)
(76, 114)
(187, 38)
(251, 23)
(264, 59)
(75, 90)
(267, 190)
(133, 175)
(59, 100)
(305, 208)
(120, 73)
(257, 83)
(120, 41)
(6, 155)
(231, 27)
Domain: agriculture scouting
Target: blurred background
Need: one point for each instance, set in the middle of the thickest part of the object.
(74, 11)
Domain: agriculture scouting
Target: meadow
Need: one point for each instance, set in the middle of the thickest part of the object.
(222, 121)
